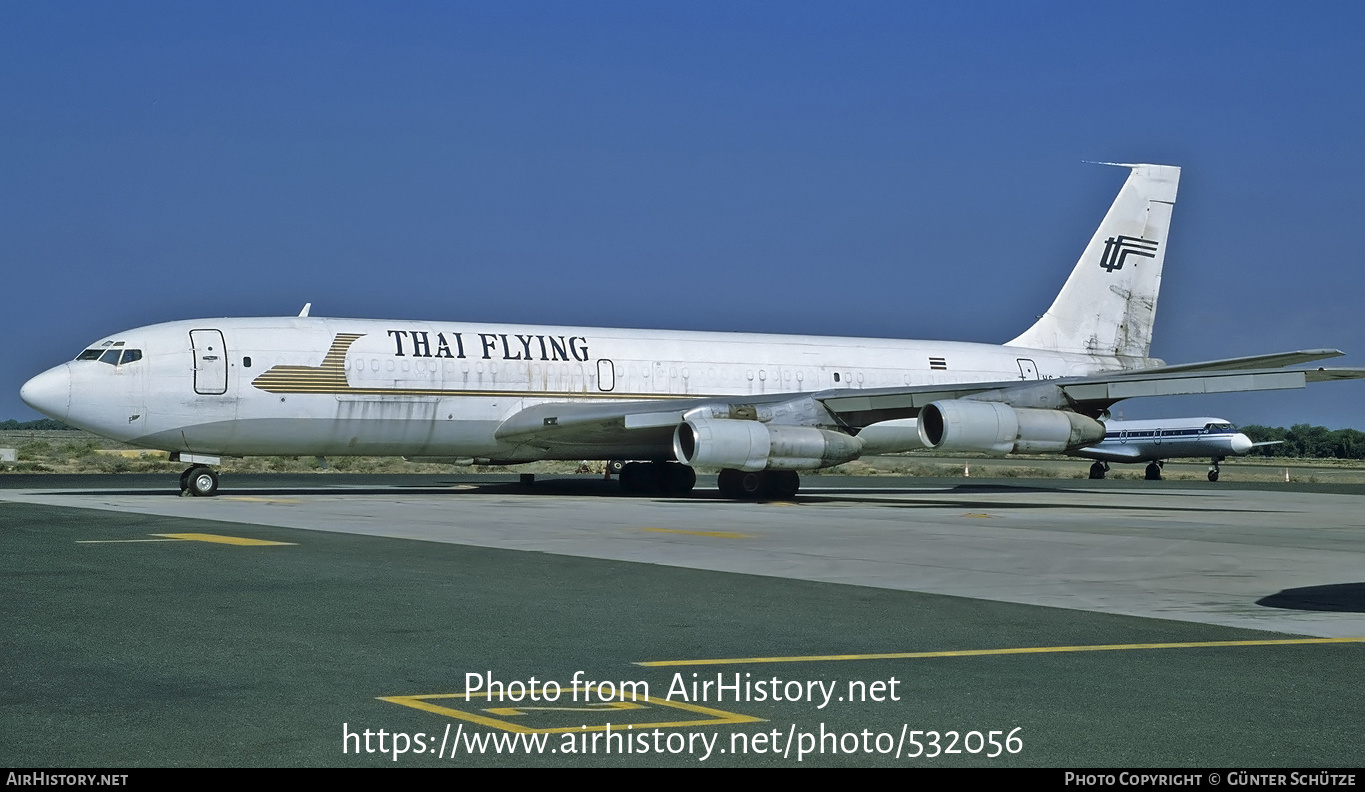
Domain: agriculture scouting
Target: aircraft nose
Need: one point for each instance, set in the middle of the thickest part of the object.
(1241, 443)
(50, 392)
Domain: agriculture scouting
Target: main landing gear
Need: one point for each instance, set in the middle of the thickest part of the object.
(759, 484)
(662, 478)
(1098, 470)
(1153, 471)
(673, 478)
(201, 481)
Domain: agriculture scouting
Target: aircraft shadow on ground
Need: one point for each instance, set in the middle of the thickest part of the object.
(928, 494)
(1334, 598)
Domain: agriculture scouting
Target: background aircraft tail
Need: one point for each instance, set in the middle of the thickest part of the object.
(1108, 305)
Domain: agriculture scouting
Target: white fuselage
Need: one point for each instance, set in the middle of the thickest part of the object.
(310, 385)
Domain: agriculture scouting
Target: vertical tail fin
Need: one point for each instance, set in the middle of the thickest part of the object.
(1108, 305)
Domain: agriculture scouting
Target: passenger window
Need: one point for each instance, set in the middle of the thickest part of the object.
(246, 362)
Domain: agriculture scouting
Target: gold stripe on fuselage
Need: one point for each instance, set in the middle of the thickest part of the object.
(330, 377)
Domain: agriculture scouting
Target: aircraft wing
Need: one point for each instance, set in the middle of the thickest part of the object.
(1274, 360)
(1111, 453)
(590, 423)
(595, 426)
(1089, 394)
(646, 426)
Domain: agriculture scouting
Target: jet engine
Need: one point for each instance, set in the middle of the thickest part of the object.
(751, 445)
(891, 437)
(995, 428)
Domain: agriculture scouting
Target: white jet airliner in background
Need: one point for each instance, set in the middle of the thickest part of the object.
(1156, 441)
(758, 407)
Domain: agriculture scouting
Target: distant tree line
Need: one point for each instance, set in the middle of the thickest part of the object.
(41, 423)
(1302, 440)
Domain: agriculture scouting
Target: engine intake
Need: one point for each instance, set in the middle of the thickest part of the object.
(751, 445)
(995, 428)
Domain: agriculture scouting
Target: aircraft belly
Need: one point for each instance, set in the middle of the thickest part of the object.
(647, 443)
(1193, 449)
(382, 436)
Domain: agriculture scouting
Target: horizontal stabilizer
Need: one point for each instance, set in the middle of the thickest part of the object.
(1321, 374)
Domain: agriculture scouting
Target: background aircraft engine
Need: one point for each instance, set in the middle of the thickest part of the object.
(963, 425)
(751, 445)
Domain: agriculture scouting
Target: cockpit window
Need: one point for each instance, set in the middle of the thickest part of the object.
(113, 356)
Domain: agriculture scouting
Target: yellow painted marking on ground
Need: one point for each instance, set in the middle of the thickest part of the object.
(604, 706)
(122, 541)
(1012, 651)
(232, 540)
(978, 514)
(714, 717)
(715, 534)
(252, 499)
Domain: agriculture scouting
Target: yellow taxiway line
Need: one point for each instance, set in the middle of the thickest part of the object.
(1006, 651)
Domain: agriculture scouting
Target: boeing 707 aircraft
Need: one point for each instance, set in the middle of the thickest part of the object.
(759, 408)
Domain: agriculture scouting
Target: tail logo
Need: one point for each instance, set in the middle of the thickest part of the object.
(1117, 249)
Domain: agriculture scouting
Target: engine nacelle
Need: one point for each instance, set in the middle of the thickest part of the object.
(995, 428)
(751, 445)
(891, 437)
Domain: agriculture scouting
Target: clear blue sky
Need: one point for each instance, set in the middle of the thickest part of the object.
(883, 169)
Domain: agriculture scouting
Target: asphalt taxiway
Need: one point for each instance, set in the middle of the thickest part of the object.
(1110, 623)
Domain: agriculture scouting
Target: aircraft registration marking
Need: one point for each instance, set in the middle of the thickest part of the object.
(1006, 651)
(711, 716)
